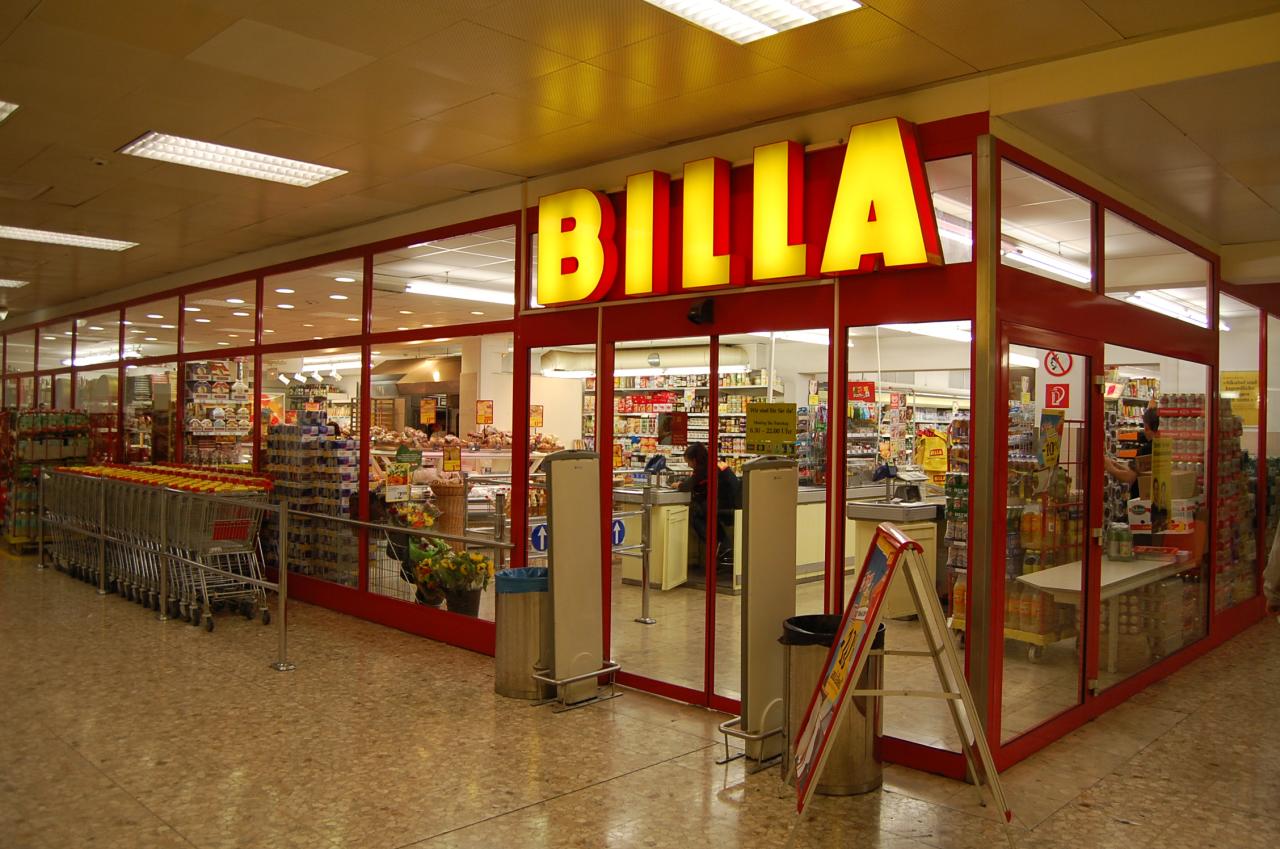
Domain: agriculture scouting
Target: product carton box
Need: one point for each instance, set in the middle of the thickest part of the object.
(1182, 515)
(1181, 485)
(1144, 486)
(1140, 515)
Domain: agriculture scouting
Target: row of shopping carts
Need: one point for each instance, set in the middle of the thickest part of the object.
(209, 544)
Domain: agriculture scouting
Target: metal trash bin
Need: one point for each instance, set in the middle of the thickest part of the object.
(522, 620)
(853, 760)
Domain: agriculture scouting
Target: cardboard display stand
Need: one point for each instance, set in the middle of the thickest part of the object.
(890, 556)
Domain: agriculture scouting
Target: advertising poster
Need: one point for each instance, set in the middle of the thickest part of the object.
(862, 391)
(1050, 438)
(398, 482)
(771, 429)
(427, 411)
(1242, 388)
(845, 661)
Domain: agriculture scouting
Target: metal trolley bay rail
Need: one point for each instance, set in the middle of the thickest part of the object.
(182, 542)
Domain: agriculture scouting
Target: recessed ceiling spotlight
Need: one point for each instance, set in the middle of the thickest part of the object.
(49, 338)
(345, 279)
(284, 306)
(229, 160)
(476, 312)
(240, 314)
(126, 322)
(191, 309)
(168, 327)
(150, 339)
(204, 320)
(284, 291)
(337, 297)
(307, 325)
(233, 335)
(402, 328)
(154, 315)
(224, 344)
(746, 21)
(406, 312)
(235, 300)
(94, 327)
(352, 318)
(268, 330)
(74, 240)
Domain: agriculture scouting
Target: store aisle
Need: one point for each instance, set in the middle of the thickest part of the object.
(122, 732)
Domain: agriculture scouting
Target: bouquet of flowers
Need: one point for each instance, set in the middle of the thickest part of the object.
(441, 569)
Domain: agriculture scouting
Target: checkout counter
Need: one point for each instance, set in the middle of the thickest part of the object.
(864, 510)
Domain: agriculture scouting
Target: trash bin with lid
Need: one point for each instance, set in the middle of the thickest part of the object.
(853, 759)
(522, 619)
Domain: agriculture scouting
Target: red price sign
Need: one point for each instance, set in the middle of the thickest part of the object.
(679, 428)
(863, 391)
(1058, 363)
(1057, 396)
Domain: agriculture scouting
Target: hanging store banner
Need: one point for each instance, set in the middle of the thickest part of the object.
(862, 391)
(790, 215)
(1242, 388)
(771, 429)
(679, 429)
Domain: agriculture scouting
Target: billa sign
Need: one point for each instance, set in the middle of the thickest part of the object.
(790, 216)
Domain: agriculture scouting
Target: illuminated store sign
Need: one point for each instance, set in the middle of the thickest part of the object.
(784, 218)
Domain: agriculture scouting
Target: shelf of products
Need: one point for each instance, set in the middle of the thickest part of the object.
(29, 439)
(218, 416)
(1235, 578)
(316, 471)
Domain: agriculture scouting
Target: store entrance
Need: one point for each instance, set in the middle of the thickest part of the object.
(668, 415)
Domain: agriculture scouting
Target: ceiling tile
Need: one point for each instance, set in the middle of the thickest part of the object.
(504, 117)
(174, 26)
(376, 27)
(467, 178)
(1213, 108)
(890, 64)
(1143, 17)
(376, 98)
(411, 192)
(37, 45)
(994, 33)
(573, 147)
(587, 91)
(278, 139)
(833, 35)
(481, 56)
(684, 59)
(579, 28)
(270, 53)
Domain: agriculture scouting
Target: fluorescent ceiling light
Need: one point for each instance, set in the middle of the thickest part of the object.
(744, 21)
(461, 293)
(154, 315)
(240, 314)
(1173, 306)
(284, 291)
(229, 160)
(811, 337)
(284, 306)
(952, 331)
(13, 284)
(1042, 261)
(7, 109)
(337, 297)
(1023, 361)
(74, 240)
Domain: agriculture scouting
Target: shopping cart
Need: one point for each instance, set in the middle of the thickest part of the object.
(220, 534)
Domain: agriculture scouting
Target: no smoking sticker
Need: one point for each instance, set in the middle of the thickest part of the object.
(1058, 363)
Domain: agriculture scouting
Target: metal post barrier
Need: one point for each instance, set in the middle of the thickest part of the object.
(102, 538)
(647, 501)
(282, 663)
(40, 518)
(163, 561)
(500, 528)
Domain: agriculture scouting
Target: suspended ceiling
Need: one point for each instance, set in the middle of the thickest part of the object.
(424, 102)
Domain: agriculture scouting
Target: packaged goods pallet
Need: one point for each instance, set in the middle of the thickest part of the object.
(29, 440)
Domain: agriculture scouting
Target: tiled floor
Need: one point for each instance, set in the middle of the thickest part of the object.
(119, 731)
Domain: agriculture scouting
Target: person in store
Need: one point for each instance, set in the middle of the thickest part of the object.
(1129, 472)
(728, 499)
(1271, 577)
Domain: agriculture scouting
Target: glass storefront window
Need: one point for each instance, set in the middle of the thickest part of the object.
(951, 183)
(96, 394)
(309, 416)
(44, 392)
(150, 412)
(20, 352)
(1272, 444)
(151, 330)
(98, 339)
(313, 304)
(1044, 229)
(55, 346)
(907, 404)
(1238, 391)
(458, 280)
(218, 411)
(1156, 512)
(1148, 271)
(10, 394)
(225, 319)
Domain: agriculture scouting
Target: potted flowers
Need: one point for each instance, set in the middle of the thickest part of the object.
(460, 575)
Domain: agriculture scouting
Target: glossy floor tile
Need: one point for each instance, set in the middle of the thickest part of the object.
(121, 731)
